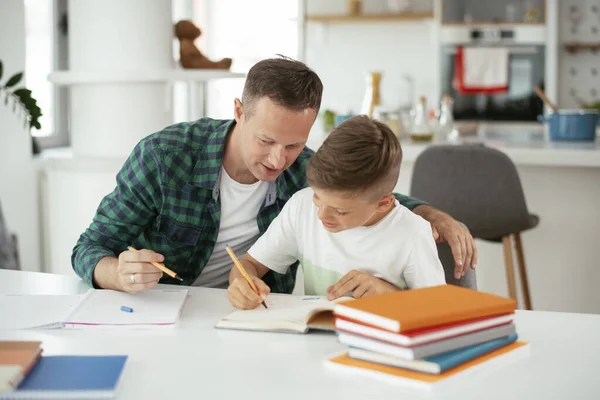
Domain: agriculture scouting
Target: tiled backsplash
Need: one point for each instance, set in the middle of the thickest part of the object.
(579, 72)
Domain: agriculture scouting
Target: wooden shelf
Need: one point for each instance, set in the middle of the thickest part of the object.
(475, 24)
(577, 47)
(417, 16)
(177, 74)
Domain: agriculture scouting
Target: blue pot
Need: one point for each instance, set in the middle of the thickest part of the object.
(572, 125)
(341, 118)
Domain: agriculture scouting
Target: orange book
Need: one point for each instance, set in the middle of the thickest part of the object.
(408, 310)
(486, 363)
(17, 358)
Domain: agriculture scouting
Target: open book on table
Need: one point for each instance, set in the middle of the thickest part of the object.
(286, 313)
(96, 308)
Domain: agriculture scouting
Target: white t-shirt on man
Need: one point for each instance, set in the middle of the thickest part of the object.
(399, 249)
(240, 205)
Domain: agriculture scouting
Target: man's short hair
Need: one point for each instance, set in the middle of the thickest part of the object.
(287, 82)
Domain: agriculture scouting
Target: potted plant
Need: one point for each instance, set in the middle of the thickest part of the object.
(22, 103)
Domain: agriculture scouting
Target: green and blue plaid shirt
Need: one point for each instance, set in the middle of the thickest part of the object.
(167, 200)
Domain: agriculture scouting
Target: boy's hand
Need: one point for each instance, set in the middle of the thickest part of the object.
(360, 284)
(241, 295)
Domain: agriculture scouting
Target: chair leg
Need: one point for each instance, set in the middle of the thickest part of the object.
(522, 271)
(510, 269)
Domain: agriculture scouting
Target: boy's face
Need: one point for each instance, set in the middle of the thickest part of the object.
(272, 137)
(341, 211)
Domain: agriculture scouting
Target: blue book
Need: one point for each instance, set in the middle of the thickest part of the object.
(438, 363)
(68, 377)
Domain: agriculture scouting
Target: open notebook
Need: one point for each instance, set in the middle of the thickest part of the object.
(96, 308)
(286, 313)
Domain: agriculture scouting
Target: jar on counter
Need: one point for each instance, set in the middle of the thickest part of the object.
(372, 98)
(421, 130)
(447, 128)
(392, 117)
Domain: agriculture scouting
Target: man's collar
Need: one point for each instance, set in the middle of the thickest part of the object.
(210, 162)
(210, 159)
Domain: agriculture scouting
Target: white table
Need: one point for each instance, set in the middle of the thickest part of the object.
(194, 360)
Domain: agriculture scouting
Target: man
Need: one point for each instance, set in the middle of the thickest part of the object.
(190, 189)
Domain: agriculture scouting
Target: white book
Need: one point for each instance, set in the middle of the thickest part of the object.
(95, 309)
(428, 349)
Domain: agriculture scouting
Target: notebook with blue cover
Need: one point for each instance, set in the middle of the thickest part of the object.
(438, 363)
(69, 377)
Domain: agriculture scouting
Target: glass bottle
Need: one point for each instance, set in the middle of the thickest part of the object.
(372, 97)
(421, 130)
(447, 128)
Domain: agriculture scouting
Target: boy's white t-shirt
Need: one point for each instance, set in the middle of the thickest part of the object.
(399, 249)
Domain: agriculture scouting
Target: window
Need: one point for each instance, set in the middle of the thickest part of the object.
(45, 52)
(247, 32)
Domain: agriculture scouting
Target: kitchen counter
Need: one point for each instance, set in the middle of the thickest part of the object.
(525, 149)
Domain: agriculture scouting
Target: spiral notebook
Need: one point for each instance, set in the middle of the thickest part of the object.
(94, 309)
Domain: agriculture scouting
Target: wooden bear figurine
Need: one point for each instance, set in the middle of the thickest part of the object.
(189, 55)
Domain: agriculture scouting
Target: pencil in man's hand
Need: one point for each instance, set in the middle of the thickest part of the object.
(240, 267)
(160, 266)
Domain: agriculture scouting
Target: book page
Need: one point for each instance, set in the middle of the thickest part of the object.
(151, 307)
(282, 307)
(33, 311)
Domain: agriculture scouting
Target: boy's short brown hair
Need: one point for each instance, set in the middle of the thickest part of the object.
(359, 156)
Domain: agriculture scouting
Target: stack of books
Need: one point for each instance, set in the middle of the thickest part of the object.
(25, 373)
(425, 336)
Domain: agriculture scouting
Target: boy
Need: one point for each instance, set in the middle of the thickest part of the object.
(347, 229)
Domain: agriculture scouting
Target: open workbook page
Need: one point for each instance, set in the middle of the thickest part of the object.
(285, 313)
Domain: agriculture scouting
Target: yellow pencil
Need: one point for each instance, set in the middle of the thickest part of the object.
(240, 267)
(160, 266)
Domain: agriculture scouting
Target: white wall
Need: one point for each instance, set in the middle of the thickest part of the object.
(343, 54)
(72, 190)
(18, 188)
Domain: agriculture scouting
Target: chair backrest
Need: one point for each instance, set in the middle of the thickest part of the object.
(475, 184)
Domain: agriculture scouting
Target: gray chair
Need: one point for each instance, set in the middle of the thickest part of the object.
(8, 252)
(480, 187)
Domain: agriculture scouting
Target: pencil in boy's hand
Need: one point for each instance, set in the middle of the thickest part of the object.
(240, 267)
(160, 266)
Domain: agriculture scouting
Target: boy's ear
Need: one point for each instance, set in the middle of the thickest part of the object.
(386, 202)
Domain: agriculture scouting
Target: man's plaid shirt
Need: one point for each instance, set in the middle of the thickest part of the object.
(167, 200)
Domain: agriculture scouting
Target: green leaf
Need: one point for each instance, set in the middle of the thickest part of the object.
(1, 69)
(22, 93)
(36, 112)
(16, 78)
(36, 124)
(28, 101)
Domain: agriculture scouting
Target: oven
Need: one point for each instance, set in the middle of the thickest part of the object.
(526, 69)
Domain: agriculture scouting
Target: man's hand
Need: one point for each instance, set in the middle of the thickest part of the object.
(241, 295)
(360, 284)
(447, 229)
(135, 273)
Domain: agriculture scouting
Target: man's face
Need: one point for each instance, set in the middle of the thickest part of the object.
(341, 211)
(272, 137)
